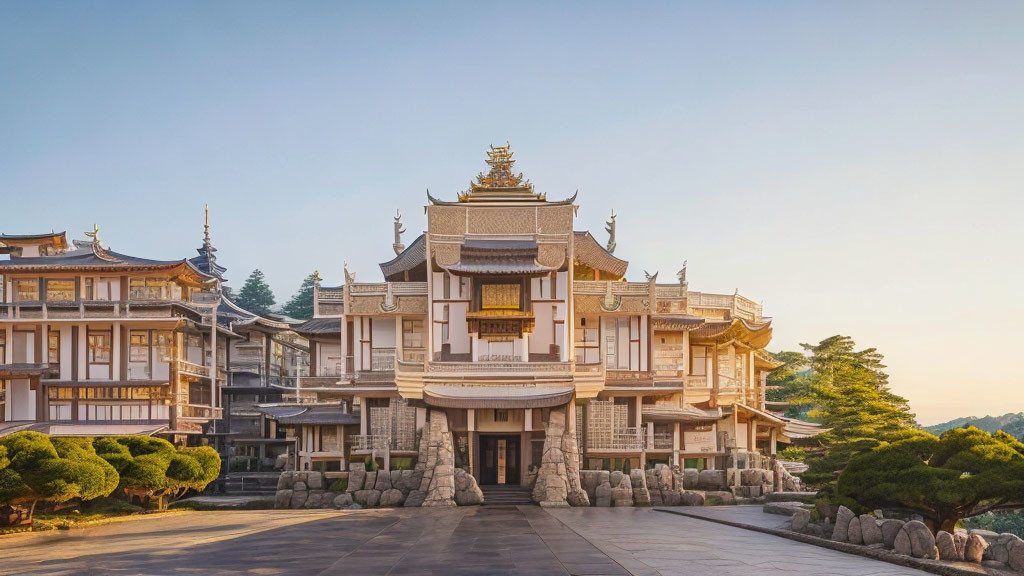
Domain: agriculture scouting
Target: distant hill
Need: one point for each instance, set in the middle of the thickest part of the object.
(1012, 424)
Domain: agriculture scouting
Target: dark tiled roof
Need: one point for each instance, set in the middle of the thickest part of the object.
(319, 326)
(499, 258)
(413, 256)
(90, 256)
(311, 415)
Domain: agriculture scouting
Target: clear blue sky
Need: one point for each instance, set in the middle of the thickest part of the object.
(858, 166)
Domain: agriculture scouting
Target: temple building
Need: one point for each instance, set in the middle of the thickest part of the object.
(95, 342)
(519, 334)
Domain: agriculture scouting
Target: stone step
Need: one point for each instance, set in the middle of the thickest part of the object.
(506, 495)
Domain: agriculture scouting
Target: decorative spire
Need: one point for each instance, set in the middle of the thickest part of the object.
(206, 230)
(610, 228)
(316, 278)
(350, 278)
(500, 183)
(682, 273)
(398, 246)
(207, 259)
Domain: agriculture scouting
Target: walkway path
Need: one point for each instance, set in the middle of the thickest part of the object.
(525, 540)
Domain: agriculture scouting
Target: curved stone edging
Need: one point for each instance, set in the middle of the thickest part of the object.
(933, 566)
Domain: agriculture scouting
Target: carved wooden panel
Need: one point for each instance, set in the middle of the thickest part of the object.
(511, 220)
(447, 220)
(554, 219)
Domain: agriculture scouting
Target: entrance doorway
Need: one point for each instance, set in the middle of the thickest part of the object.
(499, 459)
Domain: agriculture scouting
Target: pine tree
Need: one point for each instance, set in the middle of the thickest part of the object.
(849, 390)
(789, 382)
(301, 304)
(255, 296)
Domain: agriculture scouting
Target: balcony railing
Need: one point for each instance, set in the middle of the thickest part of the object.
(599, 287)
(382, 360)
(192, 369)
(369, 442)
(660, 441)
(88, 309)
(697, 382)
(502, 367)
(619, 440)
(198, 412)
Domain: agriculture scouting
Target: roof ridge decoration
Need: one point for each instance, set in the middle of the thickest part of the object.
(97, 246)
(610, 229)
(398, 246)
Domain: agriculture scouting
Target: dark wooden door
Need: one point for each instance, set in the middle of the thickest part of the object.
(499, 459)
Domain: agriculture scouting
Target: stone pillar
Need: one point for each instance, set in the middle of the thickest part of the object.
(558, 481)
(438, 463)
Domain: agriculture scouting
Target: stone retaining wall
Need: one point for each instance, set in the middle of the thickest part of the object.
(914, 539)
(434, 482)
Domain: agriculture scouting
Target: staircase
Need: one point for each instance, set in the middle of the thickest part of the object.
(506, 495)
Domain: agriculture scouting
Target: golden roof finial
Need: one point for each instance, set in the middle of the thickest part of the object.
(95, 233)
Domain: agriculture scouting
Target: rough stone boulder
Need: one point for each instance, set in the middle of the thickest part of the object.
(467, 492)
(843, 518)
(801, 518)
(622, 495)
(783, 508)
(1015, 554)
(974, 549)
(284, 481)
(391, 497)
(367, 498)
(415, 498)
(383, 481)
(638, 480)
(922, 541)
(947, 546)
(282, 499)
(901, 544)
(356, 478)
(342, 500)
(853, 535)
(603, 495)
(691, 478)
(315, 480)
(691, 499)
(370, 482)
(890, 528)
(870, 531)
(711, 480)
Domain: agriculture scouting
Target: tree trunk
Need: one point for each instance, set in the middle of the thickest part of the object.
(32, 511)
(944, 523)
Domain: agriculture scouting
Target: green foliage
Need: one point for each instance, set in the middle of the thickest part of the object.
(1011, 521)
(54, 470)
(300, 305)
(255, 295)
(964, 472)
(789, 382)
(402, 463)
(849, 392)
(371, 464)
(154, 467)
(625, 466)
(340, 485)
(794, 453)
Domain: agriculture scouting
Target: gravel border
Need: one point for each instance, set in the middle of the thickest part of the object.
(933, 566)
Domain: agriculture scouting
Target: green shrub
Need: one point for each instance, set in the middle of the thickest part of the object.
(371, 464)
(793, 453)
(340, 485)
(401, 463)
(153, 468)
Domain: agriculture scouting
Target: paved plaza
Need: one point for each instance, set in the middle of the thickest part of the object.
(523, 540)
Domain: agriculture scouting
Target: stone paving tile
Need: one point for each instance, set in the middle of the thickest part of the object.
(672, 545)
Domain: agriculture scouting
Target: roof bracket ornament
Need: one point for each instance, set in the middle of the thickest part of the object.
(390, 303)
(350, 277)
(398, 246)
(682, 273)
(610, 229)
(611, 302)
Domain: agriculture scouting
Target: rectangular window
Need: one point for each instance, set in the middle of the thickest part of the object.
(90, 289)
(99, 347)
(163, 346)
(446, 291)
(26, 290)
(53, 352)
(153, 289)
(412, 333)
(698, 360)
(3, 346)
(60, 291)
(138, 355)
(501, 415)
